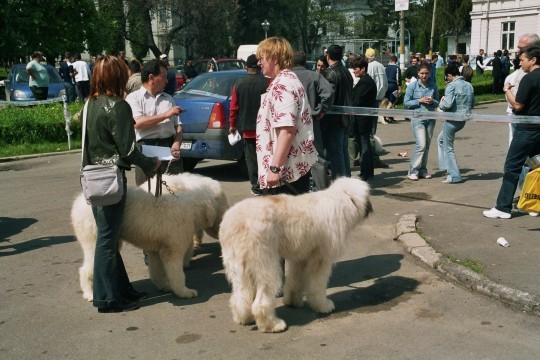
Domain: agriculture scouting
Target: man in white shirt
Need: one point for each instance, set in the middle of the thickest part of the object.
(82, 77)
(156, 115)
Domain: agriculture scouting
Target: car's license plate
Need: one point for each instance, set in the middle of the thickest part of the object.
(186, 145)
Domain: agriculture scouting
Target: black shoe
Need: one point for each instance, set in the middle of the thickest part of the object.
(122, 307)
(134, 295)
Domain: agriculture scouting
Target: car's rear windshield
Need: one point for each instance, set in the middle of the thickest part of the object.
(212, 84)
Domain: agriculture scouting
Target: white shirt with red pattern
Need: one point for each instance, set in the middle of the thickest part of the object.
(285, 104)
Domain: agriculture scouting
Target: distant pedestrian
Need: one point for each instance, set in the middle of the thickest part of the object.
(134, 82)
(321, 97)
(334, 127)
(245, 103)
(82, 77)
(480, 63)
(424, 96)
(466, 70)
(39, 77)
(170, 87)
(68, 78)
(458, 98)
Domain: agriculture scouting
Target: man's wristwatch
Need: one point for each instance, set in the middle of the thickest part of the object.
(275, 169)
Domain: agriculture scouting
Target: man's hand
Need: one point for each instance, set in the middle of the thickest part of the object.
(320, 115)
(272, 179)
(175, 110)
(232, 130)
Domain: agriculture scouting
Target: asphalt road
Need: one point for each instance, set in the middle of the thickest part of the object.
(388, 305)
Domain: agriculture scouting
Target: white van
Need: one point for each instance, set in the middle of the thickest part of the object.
(245, 50)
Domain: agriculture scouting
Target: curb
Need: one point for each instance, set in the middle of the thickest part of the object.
(32, 156)
(414, 244)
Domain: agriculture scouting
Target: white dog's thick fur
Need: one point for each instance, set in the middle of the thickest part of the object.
(162, 226)
(309, 231)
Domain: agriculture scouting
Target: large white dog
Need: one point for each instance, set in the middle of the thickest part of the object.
(162, 226)
(309, 231)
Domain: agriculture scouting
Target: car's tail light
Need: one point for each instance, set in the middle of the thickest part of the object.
(217, 117)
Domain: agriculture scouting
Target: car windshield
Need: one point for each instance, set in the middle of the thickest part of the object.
(217, 84)
(231, 65)
(22, 77)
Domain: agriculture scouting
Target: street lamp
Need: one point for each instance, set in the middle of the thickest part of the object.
(266, 25)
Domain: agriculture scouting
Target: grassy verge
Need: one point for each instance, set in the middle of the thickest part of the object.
(472, 264)
(28, 149)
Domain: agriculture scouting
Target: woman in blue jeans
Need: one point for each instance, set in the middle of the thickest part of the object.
(421, 95)
(458, 98)
(110, 139)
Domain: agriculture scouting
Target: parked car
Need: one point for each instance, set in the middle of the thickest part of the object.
(17, 88)
(220, 64)
(205, 122)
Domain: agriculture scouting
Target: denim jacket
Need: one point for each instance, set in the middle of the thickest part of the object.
(416, 91)
(458, 96)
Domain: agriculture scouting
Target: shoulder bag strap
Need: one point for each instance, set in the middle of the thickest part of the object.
(84, 116)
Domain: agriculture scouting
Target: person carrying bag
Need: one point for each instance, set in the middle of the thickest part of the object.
(109, 149)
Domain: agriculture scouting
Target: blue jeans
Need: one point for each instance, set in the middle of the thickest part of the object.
(447, 156)
(110, 277)
(423, 132)
(525, 142)
(335, 140)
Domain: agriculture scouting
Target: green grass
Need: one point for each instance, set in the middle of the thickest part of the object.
(472, 264)
(28, 149)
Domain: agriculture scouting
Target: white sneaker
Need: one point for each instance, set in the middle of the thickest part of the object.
(412, 177)
(493, 213)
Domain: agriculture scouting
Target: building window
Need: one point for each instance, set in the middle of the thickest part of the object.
(508, 35)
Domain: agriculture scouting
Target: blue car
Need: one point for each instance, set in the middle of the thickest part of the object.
(206, 103)
(17, 88)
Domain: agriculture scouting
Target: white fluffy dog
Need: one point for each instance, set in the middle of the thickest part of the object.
(309, 231)
(162, 226)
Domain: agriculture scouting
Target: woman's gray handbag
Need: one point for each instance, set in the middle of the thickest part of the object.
(102, 184)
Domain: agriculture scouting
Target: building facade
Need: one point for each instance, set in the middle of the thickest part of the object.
(497, 24)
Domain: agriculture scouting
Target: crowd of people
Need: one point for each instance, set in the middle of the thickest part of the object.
(280, 108)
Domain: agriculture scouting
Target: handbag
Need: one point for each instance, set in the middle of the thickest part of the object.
(102, 185)
(529, 200)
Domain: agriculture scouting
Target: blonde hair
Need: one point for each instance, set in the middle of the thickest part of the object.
(279, 49)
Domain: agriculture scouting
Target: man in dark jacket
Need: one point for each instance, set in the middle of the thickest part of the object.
(334, 127)
(321, 97)
(364, 94)
(245, 103)
(497, 73)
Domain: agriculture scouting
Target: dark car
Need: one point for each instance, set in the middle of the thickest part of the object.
(17, 88)
(219, 64)
(205, 122)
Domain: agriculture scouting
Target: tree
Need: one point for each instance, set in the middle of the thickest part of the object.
(52, 27)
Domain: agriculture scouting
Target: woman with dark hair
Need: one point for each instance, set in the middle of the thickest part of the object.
(459, 98)
(421, 95)
(110, 139)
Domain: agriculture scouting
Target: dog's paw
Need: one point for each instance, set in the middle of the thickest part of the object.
(186, 293)
(88, 296)
(324, 307)
(276, 326)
